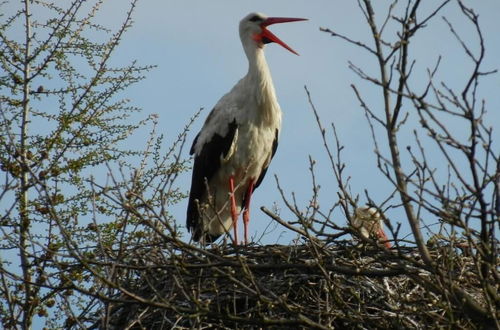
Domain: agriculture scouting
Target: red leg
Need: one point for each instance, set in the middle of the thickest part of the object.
(246, 212)
(234, 213)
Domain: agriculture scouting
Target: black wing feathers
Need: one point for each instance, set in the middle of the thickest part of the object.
(205, 166)
(191, 151)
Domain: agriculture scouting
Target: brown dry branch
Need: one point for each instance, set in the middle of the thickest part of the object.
(279, 286)
(111, 256)
(461, 203)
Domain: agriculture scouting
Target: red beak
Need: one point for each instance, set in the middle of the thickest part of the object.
(267, 36)
(383, 237)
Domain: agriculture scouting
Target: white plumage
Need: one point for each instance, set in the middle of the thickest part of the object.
(237, 141)
(368, 222)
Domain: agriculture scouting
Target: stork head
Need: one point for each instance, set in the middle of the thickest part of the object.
(368, 222)
(254, 32)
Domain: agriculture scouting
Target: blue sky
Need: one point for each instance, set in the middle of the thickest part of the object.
(196, 48)
(199, 56)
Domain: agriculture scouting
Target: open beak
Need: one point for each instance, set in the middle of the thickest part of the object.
(267, 36)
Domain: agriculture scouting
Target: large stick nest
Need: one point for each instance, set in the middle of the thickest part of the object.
(304, 286)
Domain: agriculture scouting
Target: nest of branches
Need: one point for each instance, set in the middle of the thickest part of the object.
(311, 285)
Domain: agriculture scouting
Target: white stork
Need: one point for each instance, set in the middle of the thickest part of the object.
(234, 148)
(368, 222)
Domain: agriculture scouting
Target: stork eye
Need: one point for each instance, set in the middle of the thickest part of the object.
(266, 40)
(255, 18)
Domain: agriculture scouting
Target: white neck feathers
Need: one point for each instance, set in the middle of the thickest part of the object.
(259, 84)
